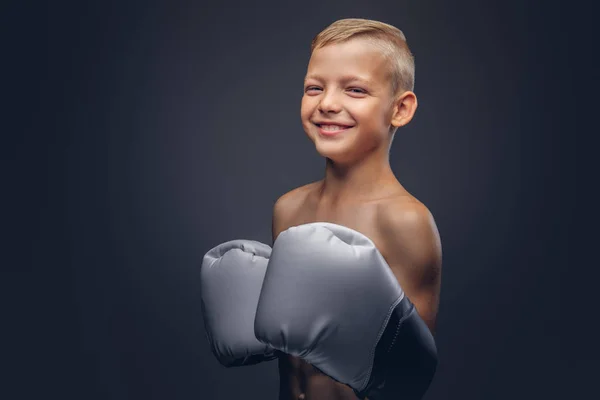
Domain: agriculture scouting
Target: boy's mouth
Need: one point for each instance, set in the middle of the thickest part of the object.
(332, 128)
(328, 129)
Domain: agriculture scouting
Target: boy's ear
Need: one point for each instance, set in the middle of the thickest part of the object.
(404, 109)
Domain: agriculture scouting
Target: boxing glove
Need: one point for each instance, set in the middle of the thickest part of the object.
(330, 298)
(231, 278)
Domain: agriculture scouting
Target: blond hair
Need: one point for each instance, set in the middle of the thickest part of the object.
(388, 38)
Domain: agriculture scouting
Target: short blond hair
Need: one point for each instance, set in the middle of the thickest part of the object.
(390, 39)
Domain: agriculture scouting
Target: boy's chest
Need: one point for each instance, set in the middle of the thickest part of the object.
(362, 218)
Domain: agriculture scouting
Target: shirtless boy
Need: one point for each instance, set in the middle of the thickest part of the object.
(347, 298)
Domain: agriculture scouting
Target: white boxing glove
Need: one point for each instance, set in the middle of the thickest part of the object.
(232, 274)
(330, 298)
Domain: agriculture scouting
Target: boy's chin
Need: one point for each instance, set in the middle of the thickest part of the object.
(336, 152)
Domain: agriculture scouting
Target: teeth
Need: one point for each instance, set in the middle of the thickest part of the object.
(332, 127)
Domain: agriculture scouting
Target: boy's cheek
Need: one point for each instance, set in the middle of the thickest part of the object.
(304, 111)
(310, 132)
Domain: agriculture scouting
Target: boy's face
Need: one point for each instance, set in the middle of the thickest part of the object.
(348, 104)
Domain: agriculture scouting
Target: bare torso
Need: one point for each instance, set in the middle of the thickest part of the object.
(298, 379)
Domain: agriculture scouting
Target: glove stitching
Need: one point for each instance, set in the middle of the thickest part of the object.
(400, 322)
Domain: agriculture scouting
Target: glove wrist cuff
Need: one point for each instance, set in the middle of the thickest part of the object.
(405, 357)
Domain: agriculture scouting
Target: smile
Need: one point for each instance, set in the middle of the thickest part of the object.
(332, 130)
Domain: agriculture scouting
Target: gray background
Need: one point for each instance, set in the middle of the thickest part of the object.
(144, 133)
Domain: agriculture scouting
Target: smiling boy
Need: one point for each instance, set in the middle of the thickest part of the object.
(357, 93)
(350, 293)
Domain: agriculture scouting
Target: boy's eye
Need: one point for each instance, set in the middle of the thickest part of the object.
(357, 90)
(312, 88)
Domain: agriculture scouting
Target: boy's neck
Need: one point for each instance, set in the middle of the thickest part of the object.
(364, 180)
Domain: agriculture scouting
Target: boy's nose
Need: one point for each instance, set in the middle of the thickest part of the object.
(330, 103)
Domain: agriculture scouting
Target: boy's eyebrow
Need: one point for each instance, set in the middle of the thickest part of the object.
(343, 79)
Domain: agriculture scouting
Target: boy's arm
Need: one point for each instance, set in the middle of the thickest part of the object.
(281, 210)
(277, 218)
(413, 251)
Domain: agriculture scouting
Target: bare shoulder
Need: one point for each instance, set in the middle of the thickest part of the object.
(292, 199)
(407, 219)
(288, 206)
(411, 238)
(412, 247)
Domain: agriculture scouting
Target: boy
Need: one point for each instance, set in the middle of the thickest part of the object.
(357, 93)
